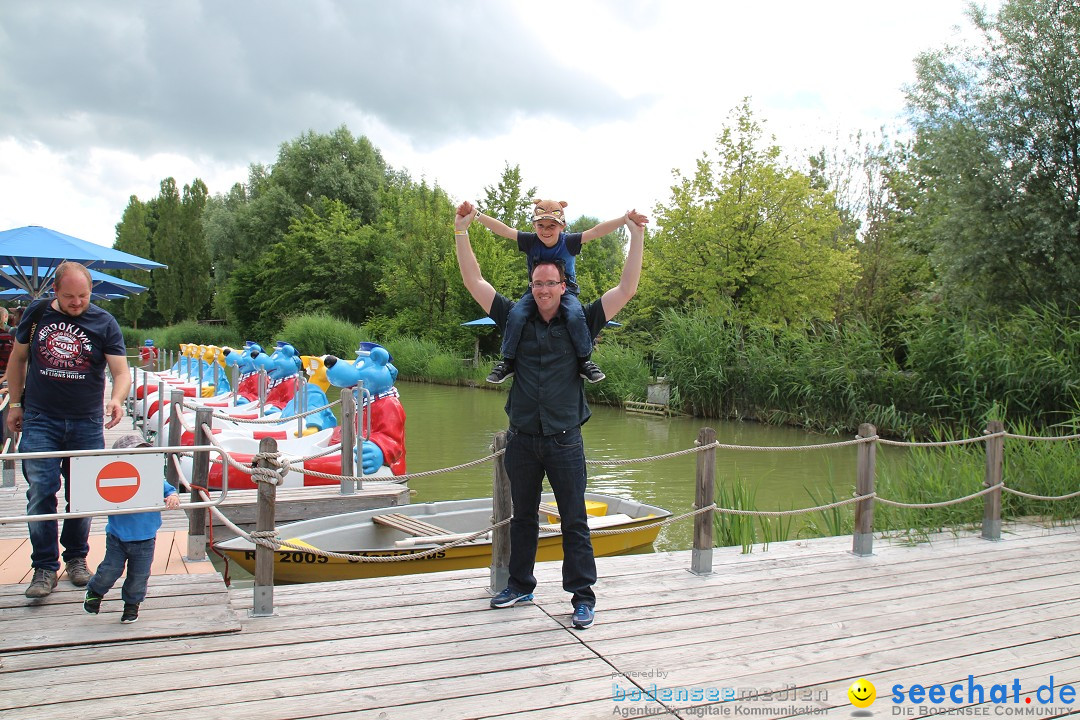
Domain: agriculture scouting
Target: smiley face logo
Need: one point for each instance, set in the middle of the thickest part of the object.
(862, 693)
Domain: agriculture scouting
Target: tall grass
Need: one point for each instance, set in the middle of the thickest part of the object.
(946, 371)
(169, 338)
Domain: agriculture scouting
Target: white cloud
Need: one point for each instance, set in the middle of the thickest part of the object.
(596, 100)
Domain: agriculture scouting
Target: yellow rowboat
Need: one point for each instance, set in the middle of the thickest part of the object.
(403, 530)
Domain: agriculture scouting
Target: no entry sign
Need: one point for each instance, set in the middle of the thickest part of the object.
(111, 482)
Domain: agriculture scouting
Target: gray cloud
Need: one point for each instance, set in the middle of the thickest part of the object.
(230, 79)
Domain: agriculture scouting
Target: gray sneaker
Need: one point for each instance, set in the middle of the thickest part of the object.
(77, 572)
(43, 583)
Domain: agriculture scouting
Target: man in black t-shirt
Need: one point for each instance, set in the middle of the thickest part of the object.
(62, 347)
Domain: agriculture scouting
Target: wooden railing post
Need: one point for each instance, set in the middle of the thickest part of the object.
(995, 457)
(863, 540)
(348, 440)
(704, 495)
(200, 478)
(500, 510)
(171, 473)
(263, 600)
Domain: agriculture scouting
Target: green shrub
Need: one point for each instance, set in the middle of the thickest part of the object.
(627, 375)
(169, 338)
(321, 334)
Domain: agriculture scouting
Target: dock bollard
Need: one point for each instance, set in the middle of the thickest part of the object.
(995, 456)
(500, 510)
(263, 598)
(704, 495)
(862, 543)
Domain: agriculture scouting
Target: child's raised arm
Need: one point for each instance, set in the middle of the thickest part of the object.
(496, 226)
(610, 226)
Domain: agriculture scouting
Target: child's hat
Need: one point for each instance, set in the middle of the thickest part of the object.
(549, 210)
(130, 440)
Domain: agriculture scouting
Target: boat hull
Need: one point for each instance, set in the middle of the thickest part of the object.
(303, 566)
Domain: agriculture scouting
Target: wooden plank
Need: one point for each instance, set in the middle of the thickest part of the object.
(408, 524)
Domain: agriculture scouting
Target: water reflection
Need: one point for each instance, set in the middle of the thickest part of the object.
(448, 426)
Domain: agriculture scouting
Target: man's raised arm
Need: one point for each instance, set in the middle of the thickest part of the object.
(616, 298)
(481, 290)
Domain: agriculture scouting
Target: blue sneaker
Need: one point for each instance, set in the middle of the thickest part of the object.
(508, 598)
(583, 616)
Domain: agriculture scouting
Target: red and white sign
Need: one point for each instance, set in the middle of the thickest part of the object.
(112, 482)
(118, 482)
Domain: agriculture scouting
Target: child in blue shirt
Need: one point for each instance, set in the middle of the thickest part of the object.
(129, 539)
(550, 244)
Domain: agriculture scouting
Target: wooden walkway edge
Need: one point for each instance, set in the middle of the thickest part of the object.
(787, 630)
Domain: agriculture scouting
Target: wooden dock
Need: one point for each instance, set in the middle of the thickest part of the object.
(801, 621)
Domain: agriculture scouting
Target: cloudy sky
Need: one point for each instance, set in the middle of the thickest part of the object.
(597, 101)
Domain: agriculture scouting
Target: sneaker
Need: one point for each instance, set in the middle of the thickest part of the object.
(583, 616)
(77, 572)
(91, 602)
(42, 583)
(131, 613)
(509, 597)
(503, 370)
(588, 370)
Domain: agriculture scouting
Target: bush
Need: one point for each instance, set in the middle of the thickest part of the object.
(627, 375)
(169, 338)
(321, 334)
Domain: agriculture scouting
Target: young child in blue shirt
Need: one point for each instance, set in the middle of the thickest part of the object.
(550, 244)
(129, 539)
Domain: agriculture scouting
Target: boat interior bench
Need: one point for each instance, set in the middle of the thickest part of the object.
(409, 525)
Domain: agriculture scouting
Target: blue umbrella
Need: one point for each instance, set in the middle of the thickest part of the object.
(103, 285)
(41, 250)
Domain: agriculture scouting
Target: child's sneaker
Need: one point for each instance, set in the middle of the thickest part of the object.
(503, 370)
(588, 370)
(131, 613)
(91, 602)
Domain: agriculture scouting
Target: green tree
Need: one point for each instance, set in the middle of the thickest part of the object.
(507, 202)
(133, 236)
(746, 230)
(194, 270)
(600, 263)
(997, 152)
(168, 249)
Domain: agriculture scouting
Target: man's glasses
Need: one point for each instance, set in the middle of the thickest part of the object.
(545, 283)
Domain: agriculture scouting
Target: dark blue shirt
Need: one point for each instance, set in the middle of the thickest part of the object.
(548, 395)
(65, 377)
(564, 250)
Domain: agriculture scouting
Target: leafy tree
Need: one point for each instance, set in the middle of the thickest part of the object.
(133, 236)
(325, 264)
(168, 249)
(507, 202)
(600, 263)
(748, 230)
(997, 152)
(194, 270)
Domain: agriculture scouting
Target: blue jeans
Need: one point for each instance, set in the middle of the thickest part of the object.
(41, 433)
(562, 457)
(138, 554)
(575, 323)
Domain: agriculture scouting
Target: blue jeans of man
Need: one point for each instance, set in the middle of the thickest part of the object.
(139, 556)
(575, 323)
(42, 433)
(562, 458)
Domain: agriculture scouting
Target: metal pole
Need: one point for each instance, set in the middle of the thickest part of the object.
(263, 599)
(363, 431)
(301, 403)
(500, 510)
(262, 390)
(160, 412)
(235, 383)
(7, 478)
(704, 494)
(348, 440)
(171, 473)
